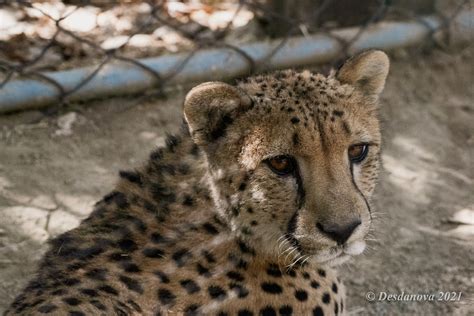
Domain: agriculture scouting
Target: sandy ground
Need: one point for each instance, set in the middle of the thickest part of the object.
(52, 169)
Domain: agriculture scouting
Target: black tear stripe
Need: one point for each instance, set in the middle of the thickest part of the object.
(322, 133)
(292, 223)
(359, 191)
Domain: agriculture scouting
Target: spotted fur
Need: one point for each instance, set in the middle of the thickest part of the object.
(205, 227)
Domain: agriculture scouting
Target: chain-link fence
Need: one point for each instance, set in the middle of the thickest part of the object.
(40, 37)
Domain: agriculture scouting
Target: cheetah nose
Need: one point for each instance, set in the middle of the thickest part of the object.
(337, 232)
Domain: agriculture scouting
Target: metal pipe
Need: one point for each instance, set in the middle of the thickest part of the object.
(118, 77)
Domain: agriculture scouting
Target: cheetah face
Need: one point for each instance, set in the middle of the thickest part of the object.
(293, 157)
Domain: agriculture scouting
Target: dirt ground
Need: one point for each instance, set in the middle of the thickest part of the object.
(52, 170)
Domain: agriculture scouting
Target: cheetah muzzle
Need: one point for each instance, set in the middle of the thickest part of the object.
(243, 213)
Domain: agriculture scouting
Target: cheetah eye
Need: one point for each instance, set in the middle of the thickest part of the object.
(282, 165)
(358, 152)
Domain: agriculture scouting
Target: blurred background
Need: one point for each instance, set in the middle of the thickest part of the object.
(89, 87)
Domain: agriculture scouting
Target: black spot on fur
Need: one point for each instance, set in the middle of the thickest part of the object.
(334, 288)
(76, 313)
(322, 273)
(209, 257)
(318, 311)
(118, 256)
(58, 292)
(108, 289)
(245, 248)
(301, 295)
(271, 288)
(108, 198)
(202, 270)
(97, 274)
(98, 305)
(336, 308)
(235, 211)
(286, 310)
(71, 301)
(130, 267)
(171, 142)
(133, 177)
(120, 312)
(220, 128)
(194, 150)
(268, 311)
(71, 281)
(163, 277)
(157, 154)
(216, 292)
(326, 298)
(245, 312)
(305, 275)
(239, 289)
(234, 275)
(88, 253)
(127, 245)
(181, 256)
(162, 194)
(295, 120)
(188, 200)
(242, 264)
(210, 228)
(315, 284)
(190, 286)
(121, 201)
(192, 310)
(131, 284)
(274, 271)
(337, 113)
(90, 292)
(135, 306)
(157, 238)
(166, 297)
(153, 253)
(137, 223)
(48, 308)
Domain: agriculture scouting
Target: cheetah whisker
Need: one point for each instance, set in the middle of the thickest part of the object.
(307, 258)
(290, 253)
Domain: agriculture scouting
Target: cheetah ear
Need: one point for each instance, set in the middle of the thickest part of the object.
(210, 107)
(366, 71)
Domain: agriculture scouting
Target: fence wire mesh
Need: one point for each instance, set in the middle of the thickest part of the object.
(49, 35)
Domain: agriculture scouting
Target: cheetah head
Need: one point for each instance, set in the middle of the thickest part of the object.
(293, 157)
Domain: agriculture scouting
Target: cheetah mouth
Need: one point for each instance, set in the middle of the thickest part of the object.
(337, 255)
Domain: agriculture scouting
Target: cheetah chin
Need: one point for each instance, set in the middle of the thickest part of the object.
(338, 255)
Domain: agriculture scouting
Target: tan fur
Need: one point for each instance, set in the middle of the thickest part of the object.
(207, 228)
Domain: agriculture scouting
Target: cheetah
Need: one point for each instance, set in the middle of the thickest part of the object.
(246, 211)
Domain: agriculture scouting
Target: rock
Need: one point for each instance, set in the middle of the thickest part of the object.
(44, 202)
(148, 135)
(61, 221)
(464, 216)
(29, 221)
(160, 142)
(463, 232)
(80, 205)
(65, 123)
